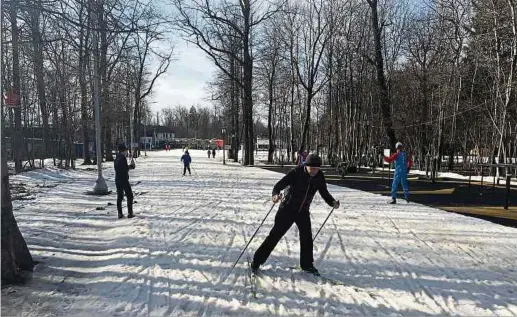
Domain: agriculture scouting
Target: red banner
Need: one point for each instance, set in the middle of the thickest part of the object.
(11, 100)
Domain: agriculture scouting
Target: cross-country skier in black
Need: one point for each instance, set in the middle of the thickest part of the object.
(213, 153)
(303, 182)
(122, 181)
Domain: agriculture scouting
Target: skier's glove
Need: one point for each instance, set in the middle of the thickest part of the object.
(277, 198)
(335, 204)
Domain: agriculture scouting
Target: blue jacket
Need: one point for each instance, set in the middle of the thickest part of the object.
(186, 159)
(403, 162)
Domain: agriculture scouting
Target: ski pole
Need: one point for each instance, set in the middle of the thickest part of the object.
(330, 213)
(253, 236)
(193, 170)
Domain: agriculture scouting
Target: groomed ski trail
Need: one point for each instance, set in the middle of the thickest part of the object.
(174, 258)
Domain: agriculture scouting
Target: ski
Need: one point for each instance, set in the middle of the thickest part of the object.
(399, 201)
(138, 193)
(252, 278)
(318, 275)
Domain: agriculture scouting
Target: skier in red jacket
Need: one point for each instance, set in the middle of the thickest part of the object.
(403, 164)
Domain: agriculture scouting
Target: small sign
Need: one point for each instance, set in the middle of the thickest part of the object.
(11, 100)
(387, 153)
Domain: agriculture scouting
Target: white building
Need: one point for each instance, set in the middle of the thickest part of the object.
(262, 144)
(156, 135)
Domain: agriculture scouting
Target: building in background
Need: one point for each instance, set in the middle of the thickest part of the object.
(155, 136)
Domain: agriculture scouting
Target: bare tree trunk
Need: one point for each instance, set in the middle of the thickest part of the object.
(17, 137)
(39, 72)
(64, 108)
(235, 105)
(385, 101)
(291, 108)
(306, 124)
(270, 131)
(249, 139)
(16, 256)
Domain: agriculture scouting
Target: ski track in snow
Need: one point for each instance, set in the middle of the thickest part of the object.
(175, 257)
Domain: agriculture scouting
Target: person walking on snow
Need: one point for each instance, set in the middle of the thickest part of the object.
(209, 153)
(186, 159)
(213, 153)
(303, 182)
(122, 181)
(403, 164)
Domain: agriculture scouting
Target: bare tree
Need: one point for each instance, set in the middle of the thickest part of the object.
(16, 256)
(144, 50)
(385, 99)
(268, 77)
(17, 138)
(208, 25)
(37, 42)
(315, 38)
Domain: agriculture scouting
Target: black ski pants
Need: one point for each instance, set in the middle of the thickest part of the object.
(124, 187)
(284, 219)
(185, 168)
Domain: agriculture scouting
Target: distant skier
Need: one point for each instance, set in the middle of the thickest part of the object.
(209, 152)
(186, 159)
(302, 156)
(122, 181)
(303, 182)
(403, 164)
(213, 153)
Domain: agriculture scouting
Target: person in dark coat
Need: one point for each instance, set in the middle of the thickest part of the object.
(122, 181)
(209, 152)
(186, 159)
(303, 182)
(213, 153)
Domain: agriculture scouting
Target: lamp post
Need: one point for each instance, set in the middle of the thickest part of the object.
(100, 188)
(145, 138)
(235, 150)
(224, 155)
(145, 129)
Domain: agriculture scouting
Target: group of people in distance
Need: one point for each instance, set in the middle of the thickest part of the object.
(212, 151)
(300, 185)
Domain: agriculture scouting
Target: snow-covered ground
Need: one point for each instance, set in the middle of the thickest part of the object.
(175, 257)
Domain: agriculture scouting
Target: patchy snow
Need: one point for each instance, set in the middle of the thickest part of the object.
(487, 180)
(175, 257)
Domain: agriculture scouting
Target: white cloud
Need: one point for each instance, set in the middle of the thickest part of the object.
(186, 80)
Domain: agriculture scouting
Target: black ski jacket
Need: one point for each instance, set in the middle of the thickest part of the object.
(122, 169)
(302, 188)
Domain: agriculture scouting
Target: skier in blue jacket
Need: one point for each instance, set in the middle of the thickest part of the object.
(403, 164)
(186, 159)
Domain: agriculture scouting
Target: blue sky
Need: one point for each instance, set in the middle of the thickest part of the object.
(186, 79)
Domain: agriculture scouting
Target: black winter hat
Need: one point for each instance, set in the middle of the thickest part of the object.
(313, 160)
(122, 147)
